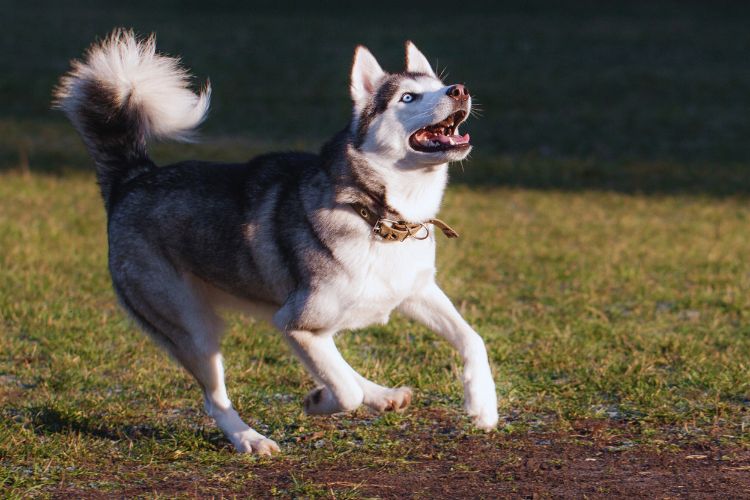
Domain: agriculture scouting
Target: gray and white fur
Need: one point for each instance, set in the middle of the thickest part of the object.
(276, 236)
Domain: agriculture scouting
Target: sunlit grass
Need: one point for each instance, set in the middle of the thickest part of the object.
(593, 305)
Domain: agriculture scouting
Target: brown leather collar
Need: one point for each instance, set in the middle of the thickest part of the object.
(398, 230)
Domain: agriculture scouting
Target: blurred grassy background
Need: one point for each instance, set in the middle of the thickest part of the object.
(631, 96)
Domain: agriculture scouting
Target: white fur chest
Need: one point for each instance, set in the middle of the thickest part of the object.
(382, 275)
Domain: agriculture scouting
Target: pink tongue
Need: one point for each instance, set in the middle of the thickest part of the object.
(457, 139)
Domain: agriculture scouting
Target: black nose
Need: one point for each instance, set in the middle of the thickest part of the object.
(458, 92)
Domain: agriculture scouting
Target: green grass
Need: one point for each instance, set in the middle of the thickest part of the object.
(593, 306)
(603, 254)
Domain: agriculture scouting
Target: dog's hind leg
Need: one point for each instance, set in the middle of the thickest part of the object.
(179, 317)
(244, 438)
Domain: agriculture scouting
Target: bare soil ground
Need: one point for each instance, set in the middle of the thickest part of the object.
(596, 459)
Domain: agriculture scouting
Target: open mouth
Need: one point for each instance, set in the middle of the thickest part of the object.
(441, 136)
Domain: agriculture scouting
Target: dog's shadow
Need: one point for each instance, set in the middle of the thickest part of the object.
(48, 420)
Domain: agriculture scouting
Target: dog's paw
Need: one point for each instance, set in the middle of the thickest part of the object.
(396, 399)
(481, 402)
(257, 445)
(321, 401)
(484, 418)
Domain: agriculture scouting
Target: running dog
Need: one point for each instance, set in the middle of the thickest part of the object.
(316, 244)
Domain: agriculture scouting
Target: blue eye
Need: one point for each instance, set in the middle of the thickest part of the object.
(408, 97)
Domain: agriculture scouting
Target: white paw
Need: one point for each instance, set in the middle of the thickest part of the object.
(485, 418)
(396, 399)
(321, 401)
(258, 445)
(481, 402)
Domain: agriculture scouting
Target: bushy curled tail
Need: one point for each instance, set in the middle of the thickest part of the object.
(121, 95)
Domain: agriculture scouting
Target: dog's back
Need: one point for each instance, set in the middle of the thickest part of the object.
(217, 221)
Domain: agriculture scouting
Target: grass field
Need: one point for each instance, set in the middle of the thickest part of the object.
(603, 257)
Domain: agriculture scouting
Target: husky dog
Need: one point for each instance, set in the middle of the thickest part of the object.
(314, 243)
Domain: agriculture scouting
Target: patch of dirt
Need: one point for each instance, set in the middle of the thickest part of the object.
(555, 467)
(596, 459)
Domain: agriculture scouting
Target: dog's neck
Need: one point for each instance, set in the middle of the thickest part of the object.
(412, 195)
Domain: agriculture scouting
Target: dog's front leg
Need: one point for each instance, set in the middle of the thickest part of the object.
(431, 307)
(304, 321)
(340, 391)
(336, 394)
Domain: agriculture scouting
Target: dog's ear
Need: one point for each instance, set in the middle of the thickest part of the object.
(416, 62)
(366, 73)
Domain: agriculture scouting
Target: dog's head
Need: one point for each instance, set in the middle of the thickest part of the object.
(410, 119)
